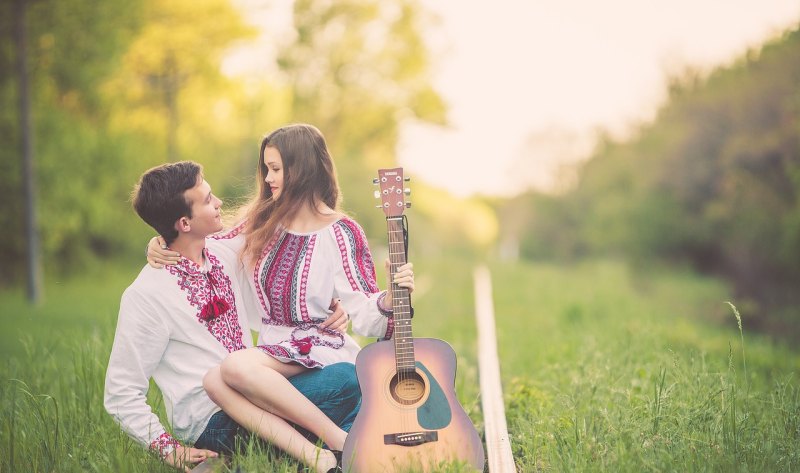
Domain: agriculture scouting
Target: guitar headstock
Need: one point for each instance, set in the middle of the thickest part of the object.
(392, 193)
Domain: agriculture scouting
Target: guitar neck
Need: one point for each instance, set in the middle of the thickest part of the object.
(401, 304)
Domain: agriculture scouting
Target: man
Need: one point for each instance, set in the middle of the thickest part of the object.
(177, 323)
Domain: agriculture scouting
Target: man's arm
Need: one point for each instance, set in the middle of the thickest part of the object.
(139, 344)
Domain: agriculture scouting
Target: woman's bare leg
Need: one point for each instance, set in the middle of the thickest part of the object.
(262, 380)
(266, 425)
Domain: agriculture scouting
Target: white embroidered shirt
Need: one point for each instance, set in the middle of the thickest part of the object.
(167, 329)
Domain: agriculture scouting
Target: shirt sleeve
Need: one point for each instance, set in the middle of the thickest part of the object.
(355, 285)
(232, 239)
(139, 343)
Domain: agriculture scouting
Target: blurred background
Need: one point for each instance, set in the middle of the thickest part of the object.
(659, 134)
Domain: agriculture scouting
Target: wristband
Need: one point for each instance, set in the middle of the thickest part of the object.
(383, 310)
(164, 445)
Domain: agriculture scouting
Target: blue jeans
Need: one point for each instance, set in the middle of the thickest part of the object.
(334, 389)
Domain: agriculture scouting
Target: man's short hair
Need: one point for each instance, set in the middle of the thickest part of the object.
(158, 196)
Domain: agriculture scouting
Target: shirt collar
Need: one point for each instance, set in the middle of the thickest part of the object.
(210, 262)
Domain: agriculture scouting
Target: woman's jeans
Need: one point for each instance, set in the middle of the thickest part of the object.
(334, 389)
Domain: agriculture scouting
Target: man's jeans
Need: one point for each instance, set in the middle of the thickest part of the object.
(334, 389)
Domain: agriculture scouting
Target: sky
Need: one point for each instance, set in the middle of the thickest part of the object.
(530, 82)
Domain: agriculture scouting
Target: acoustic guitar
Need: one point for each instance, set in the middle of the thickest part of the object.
(410, 418)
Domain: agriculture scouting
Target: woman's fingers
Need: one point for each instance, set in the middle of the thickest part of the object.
(159, 255)
(336, 321)
(404, 277)
(154, 264)
(342, 327)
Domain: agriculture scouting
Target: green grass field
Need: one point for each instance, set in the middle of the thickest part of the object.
(603, 370)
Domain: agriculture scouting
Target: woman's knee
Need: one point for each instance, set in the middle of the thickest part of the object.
(235, 369)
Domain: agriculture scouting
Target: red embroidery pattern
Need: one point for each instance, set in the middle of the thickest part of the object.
(356, 251)
(278, 351)
(164, 444)
(389, 328)
(277, 280)
(203, 288)
(309, 252)
(230, 233)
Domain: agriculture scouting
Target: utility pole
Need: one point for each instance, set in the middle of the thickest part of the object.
(28, 178)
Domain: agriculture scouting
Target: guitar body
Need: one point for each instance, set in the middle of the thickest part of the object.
(412, 421)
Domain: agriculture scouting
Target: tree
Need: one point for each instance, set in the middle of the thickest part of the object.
(356, 70)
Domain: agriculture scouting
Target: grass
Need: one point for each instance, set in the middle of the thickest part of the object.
(606, 370)
(603, 369)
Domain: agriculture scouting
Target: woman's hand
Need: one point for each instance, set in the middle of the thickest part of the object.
(404, 277)
(339, 319)
(158, 254)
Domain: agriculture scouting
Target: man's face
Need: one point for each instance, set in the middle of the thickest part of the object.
(205, 218)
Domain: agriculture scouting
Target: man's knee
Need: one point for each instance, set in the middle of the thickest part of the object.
(343, 375)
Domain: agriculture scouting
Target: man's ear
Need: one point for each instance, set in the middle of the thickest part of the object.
(182, 225)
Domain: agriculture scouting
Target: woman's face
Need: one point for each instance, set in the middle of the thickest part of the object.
(274, 164)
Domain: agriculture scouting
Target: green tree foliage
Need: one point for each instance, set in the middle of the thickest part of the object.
(120, 86)
(67, 64)
(356, 69)
(117, 86)
(711, 182)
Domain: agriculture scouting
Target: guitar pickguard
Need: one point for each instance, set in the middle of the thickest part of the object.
(435, 412)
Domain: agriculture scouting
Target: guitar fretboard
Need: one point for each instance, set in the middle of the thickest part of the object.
(403, 337)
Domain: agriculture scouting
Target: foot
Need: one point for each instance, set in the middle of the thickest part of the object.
(338, 468)
(329, 461)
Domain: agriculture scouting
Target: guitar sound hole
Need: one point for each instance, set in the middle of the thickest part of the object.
(407, 388)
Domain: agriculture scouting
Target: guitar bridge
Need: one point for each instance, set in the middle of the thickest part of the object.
(411, 439)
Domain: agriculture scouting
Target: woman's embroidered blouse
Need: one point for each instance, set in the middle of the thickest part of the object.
(292, 285)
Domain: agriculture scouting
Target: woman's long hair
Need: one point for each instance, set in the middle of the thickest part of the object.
(309, 177)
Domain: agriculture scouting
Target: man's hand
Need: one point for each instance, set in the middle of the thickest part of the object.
(182, 456)
(158, 253)
(339, 319)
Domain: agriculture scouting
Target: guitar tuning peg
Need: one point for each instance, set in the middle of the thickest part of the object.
(408, 205)
(377, 194)
(406, 179)
(375, 181)
(407, 191)
(379, 206)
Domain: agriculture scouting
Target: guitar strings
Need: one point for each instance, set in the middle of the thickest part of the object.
(403, 337)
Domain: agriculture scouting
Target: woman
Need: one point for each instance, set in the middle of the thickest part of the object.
(299, 251)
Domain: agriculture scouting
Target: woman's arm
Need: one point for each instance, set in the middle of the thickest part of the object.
(354, 282)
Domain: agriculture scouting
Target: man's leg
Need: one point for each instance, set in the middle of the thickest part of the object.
(220, 435)
(334, 389)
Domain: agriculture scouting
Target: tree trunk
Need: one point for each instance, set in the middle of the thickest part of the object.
(28, 179)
